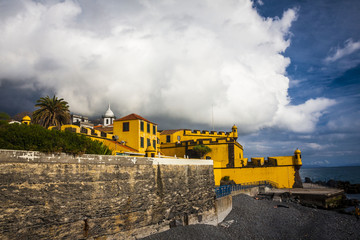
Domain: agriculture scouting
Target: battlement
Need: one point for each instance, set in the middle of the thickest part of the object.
(205, 141)
(205, 133)
(85, 131)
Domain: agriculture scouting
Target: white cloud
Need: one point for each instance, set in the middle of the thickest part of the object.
(303, 117)
(315, 146)
(260, 2)
(349, 48)
(169, 58)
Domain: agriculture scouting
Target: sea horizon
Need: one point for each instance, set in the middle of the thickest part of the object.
(340, 173)
(317, 166)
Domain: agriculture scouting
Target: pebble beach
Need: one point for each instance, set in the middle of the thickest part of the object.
(251, 218)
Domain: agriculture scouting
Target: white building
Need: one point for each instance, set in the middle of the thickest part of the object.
(108, 117)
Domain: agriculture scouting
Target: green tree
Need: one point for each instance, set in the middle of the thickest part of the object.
(4, 116)
(37, 138)
(201, 150)
(52, 112)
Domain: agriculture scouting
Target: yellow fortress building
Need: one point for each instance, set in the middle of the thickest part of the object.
(227, 154)
(136, 136)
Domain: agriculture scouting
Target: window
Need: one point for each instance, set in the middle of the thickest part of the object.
(141, 142)
(178, 137)
(148, 127)
(148, 142)
(154, 144)
(126, 127)
(168, 138)
(154, 130)
(142, 126)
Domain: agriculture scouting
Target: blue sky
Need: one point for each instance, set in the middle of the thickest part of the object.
(322, 29)
(285, 72)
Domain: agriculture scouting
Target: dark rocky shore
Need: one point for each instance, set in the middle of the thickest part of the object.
(267, 219)
(351, 188)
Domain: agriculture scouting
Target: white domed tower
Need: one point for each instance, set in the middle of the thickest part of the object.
(108, 117)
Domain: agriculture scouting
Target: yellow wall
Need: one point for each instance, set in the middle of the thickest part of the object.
(219, 154)
(285, 160)
(133, 136)
(69, 126)
(169, 149)
(283, 176)
(239, 156)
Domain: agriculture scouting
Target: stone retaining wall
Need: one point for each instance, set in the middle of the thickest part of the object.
(49, 196)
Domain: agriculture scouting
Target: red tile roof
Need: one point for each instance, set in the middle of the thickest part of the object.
(105, 129)
(124, 146)
(133, 116)
(166, 132)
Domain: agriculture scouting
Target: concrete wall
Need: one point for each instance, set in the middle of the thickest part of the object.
(223, 207)
(49, 196)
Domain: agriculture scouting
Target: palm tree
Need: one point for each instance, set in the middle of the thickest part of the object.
(51, 112)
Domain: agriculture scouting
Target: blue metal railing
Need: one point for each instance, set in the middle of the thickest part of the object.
(225, 190)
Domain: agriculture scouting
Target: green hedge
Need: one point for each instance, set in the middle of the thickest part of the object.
(37, 138)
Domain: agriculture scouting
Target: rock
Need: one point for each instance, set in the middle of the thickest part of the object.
(308, 180)
(226, 224)
(331, 183)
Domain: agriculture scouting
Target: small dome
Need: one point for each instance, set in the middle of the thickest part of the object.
(234, 127)
(26, 118)
(109, 113)
(297, 151)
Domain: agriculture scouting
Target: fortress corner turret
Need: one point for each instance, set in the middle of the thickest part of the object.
(234, 132)
(297, 160)
(150, 152)
(26, 120)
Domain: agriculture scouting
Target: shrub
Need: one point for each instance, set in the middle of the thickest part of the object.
(201, 150)
(36, 138)
(226, 181)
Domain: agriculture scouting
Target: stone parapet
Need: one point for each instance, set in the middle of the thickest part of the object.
(59, 196)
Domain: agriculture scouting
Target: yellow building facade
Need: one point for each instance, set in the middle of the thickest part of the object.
(130, 135)
(137, 132)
